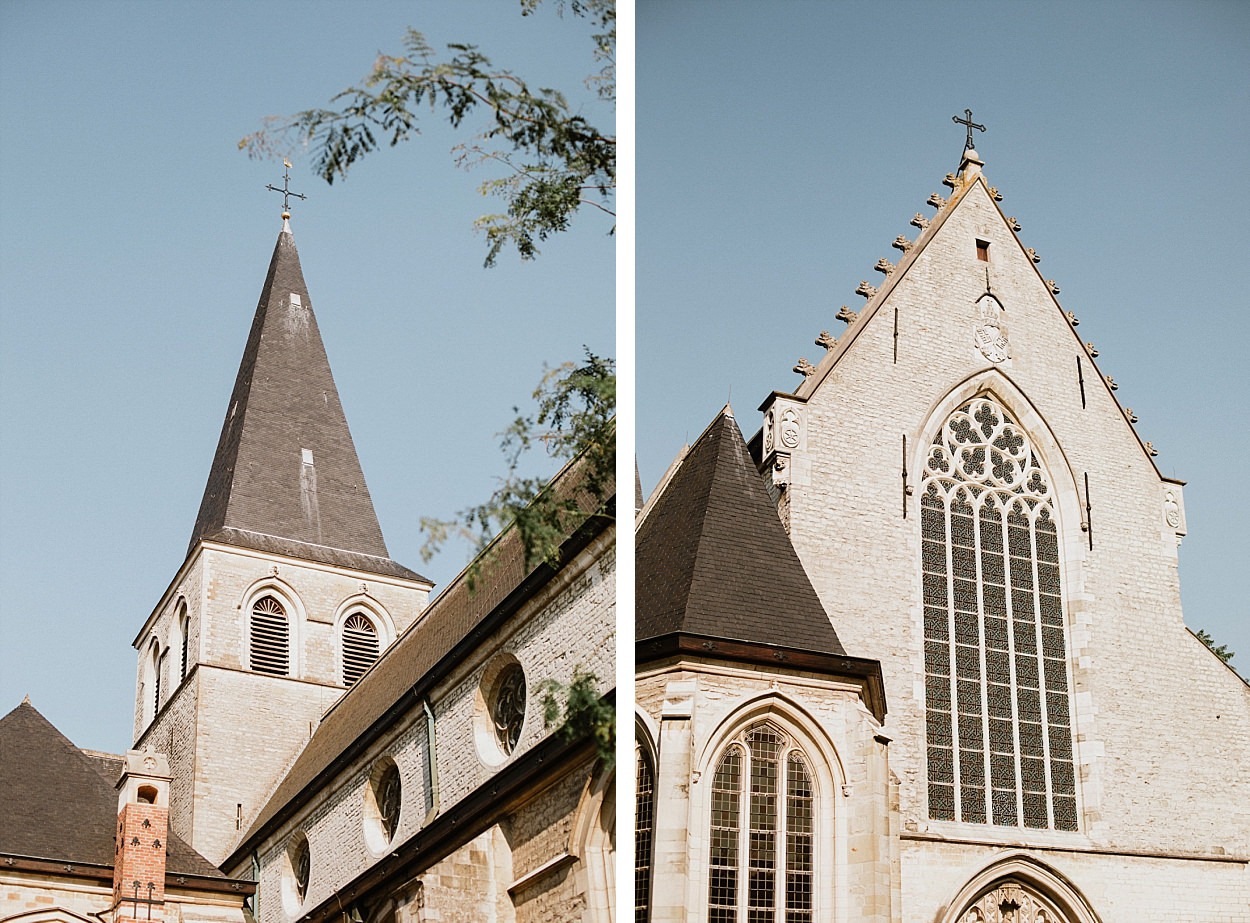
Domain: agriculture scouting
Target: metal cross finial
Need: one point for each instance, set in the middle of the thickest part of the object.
(967, 120)
(286, 189)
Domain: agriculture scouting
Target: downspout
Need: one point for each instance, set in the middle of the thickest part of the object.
(431, 759)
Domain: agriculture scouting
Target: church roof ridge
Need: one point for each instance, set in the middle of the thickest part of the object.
(713, 558)
(285, 463)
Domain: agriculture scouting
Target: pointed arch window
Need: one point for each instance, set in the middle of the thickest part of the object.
(644, 830)
(762, 831)
(359, 645)
(270, 639)
(998, 726)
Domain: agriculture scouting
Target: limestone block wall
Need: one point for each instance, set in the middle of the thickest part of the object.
(174, 734)
(569, 625)
(165, 627)
(23, 892)
(692, 707)
(316, 595)
(1120, 888)
(216, 584)
(471, 884)
(242, 751)
(1162, 728)
(543, 829)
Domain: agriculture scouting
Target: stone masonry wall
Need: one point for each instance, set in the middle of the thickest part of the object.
(1162, 728)
(569, 625)
(849, 768)
(22, 892)
(211, 725)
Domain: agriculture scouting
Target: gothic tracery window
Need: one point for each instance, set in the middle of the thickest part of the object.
(762, 831)
(996, 673)
(507, 707)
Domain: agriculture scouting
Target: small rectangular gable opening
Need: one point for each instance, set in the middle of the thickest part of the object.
(983, 250)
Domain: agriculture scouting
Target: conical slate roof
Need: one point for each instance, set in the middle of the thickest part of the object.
(714, 560)
(285, 477)
(57, 805)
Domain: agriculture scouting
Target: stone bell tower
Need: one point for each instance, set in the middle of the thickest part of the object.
(287, 594)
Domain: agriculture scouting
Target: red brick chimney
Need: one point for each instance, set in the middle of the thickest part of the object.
(142, 838)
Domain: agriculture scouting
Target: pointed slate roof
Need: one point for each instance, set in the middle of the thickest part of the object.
(713, 559)
(58, 805)
(285, 477)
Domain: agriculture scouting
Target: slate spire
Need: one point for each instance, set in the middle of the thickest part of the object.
(285, 476)
(714, 560)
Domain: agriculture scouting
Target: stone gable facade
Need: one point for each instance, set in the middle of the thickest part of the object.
(977, 513)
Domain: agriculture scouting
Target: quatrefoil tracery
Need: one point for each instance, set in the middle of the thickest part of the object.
(981, 448)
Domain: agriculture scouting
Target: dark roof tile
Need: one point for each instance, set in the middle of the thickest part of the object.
(57, 804)
(713, 558)
(284, 412)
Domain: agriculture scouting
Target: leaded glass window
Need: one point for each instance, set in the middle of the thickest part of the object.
(644, 829)
(762, 833)
(998, 730)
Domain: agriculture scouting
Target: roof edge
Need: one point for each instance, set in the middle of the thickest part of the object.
(683, 644)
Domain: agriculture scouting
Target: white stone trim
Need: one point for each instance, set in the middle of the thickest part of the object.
(828, 775)
(1029, 871)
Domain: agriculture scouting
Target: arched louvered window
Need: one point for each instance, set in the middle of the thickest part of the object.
(360, 646)
(762, 831)
(996, 666)
(184, 633)
(270, 639)
(644, 830)
(162, 664)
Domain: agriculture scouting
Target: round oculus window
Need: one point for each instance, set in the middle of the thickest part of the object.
(507, 707)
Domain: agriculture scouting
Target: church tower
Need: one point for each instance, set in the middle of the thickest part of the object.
(287, 594)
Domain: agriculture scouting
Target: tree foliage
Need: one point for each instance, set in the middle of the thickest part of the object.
(576, 417)
(1219, 650)
(580, 711)
(552, 160)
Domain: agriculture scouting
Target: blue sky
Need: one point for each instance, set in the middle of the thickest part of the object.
(781, 147)
(134, 240)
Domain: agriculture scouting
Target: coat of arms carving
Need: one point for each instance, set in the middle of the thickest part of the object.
(990, 331)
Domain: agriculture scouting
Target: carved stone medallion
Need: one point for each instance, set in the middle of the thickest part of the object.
(789, 428)
(990, 332)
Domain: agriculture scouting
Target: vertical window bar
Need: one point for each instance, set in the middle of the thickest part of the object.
(723, 860)
(644, 825)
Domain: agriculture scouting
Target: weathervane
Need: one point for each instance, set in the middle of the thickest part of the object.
(286, 189)
(967, 120)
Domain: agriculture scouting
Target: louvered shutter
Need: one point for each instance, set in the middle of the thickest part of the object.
(360, 647)
(271, 646)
